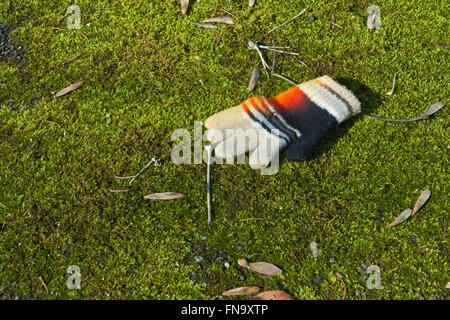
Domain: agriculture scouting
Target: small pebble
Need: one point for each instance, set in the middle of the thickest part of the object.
(314, 249)
(311, 18)
(242, 278)
(226, 264)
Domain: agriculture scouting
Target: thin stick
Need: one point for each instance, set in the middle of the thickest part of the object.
(48, 121)
(83, 35)
(60, 29)
(284, 78)
(288, 21)
(3, 227)
(227, 12)
(118, 191)
(343, 283)
(426, 115)
(251, 219)
(276, 50)
(281, 51)
(124, 178)
(264, 63)
(254, 46)
(303, 63)
(73, 59)
(393, 86)
(295, 257)
(274, 57)
(208, 182)
(73, 115)
(142, 171)
(59, 20)
(391, 120)
(68, 171)
(335, 24)
(43, 283)
(262, 46)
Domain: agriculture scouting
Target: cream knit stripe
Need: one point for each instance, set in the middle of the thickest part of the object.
(332, 99)
(324, 100)
(345, 94)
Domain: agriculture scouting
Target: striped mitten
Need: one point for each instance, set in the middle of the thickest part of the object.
(297, 119)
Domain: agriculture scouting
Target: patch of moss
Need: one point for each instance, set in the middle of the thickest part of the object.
(148, 72)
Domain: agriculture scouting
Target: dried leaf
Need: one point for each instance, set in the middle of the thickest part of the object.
(164, 196)
(254, 79)
(265, 268)
(204, 25)
(251, 3)
(427, 114)
(243, 263)
(273, 295)
(424, 196)
(241, 291)
(70, 88)
(184, 6)
(402, 217)
(433, 109)
(226, 20)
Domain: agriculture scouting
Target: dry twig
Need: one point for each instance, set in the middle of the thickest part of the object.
(287, 21)
(43, 283)
(343, 283)
(251, 219)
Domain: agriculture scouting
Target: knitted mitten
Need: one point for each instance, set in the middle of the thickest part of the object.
(297, 119)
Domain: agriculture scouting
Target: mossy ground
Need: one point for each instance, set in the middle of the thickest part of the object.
(148, 72)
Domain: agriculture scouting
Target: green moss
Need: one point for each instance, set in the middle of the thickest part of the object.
(148, 72)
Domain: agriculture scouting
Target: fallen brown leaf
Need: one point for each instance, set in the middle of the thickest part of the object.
(204, 25)
(241, 291)
(266, 268)
(164, 196)
(226, 20)
(273, 295)
(254, 79)
(401, 218)
(424, 196)
(184, 6)
(243, 263)
(433, 109)
(70, 88)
